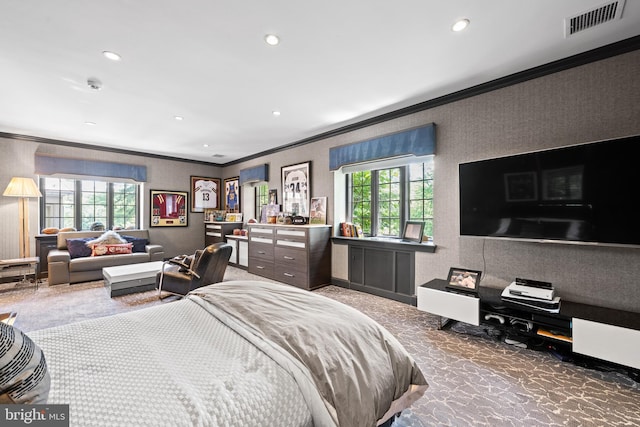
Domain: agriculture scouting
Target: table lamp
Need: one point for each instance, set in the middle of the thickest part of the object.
(23, 188)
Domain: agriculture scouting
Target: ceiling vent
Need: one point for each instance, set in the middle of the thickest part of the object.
(599, 15)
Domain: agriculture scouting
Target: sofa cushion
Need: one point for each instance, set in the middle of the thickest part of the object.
(24, 377)
(99, 262)
(78, 247)
(139, 243)
(115, 249)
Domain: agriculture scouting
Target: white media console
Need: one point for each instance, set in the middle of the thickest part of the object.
(602, 333)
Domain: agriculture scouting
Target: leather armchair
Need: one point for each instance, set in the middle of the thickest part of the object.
(208, 266)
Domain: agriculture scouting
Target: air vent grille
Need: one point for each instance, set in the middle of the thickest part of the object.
(600, 15)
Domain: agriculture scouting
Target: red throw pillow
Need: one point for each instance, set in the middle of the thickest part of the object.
(112, 249)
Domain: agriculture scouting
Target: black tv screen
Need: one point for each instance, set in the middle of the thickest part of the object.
(583, 193)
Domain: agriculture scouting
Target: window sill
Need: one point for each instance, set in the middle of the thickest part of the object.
(385, 242)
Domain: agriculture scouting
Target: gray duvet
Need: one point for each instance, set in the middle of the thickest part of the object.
(362, 373)
(231, 354)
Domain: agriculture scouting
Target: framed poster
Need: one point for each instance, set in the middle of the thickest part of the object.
(296, 189)
(273, 196)
(205, 193)
(232, 194)
(168, 208)
(318, 213)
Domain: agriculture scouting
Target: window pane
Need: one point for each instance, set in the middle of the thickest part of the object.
(392, 197)
(113, 204)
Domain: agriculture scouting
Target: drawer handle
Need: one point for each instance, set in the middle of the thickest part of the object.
(262, 252)
(288, 257)
(259, 267)
(289, 275)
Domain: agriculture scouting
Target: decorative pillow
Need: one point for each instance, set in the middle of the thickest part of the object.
(24, 377)
(117, 249)
(139, 243)
(107, 238)
(78, 247)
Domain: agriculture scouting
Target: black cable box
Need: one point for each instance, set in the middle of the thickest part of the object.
(533, 283)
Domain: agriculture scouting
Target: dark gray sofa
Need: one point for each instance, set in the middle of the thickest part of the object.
(64, 269)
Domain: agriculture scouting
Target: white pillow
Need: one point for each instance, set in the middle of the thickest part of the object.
(107, 238)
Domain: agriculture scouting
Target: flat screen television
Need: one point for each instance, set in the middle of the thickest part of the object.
(585, 193)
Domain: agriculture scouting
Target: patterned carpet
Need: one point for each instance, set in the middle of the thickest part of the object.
(475, 380)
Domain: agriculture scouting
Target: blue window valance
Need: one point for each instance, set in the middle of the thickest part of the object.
(414, 142)
(254, 174)
(51, 165)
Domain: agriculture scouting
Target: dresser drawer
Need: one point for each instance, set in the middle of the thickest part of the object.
(261, 267)
(291, 276)
(261, 251)
(291, 258)
(261, 231)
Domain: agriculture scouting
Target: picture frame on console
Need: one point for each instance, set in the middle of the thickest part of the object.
(463, 279)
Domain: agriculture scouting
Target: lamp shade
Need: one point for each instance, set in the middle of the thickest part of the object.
(22, 187)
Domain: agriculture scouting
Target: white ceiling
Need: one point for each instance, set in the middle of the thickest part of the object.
(339, 62)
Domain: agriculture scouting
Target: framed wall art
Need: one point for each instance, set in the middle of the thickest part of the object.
(232, 194)
(296, 189)
(273, 196)
(205, 193)
(168, 208)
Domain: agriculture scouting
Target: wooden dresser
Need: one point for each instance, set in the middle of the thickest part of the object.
(299, 255)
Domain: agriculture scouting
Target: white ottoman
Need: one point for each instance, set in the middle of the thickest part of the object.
(127, 279)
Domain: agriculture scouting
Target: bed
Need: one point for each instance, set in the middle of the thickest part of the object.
(239, 353)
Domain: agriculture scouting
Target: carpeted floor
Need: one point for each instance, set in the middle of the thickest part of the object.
(474, 379)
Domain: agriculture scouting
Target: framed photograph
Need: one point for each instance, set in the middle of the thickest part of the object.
(462, 279)
(318, 213)
(232, 194)
(273, 196)
(233, 217)
(168, 208)
(413, 231)
(205, 193)
(296, 189)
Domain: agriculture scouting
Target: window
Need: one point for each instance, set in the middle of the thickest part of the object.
(262, 198)
(381, 201)
(79, 203)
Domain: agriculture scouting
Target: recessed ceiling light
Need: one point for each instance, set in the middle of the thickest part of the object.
(111, 55)
(275, 113)
(90, 123)
(205, 145)
(178, 118)
(460, 25)
(271, 39)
